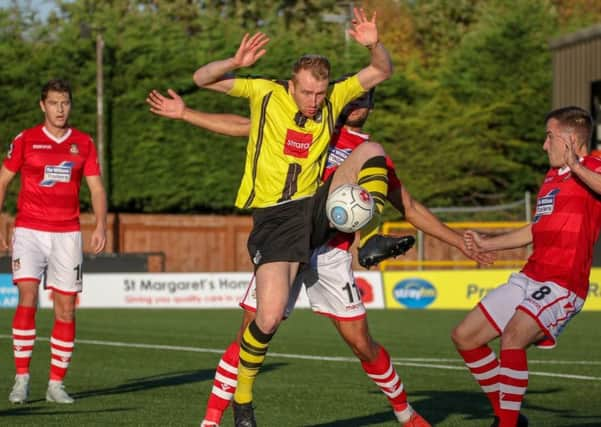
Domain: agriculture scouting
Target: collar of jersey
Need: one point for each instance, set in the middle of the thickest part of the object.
(566, 169)
(54, 138)
(359, 134)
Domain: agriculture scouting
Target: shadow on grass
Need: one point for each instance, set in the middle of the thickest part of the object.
(29, 409)
(435, 406)
(171, 379)
(583, 421)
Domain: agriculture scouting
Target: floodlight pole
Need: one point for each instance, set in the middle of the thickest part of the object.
(345, 20)
(100, 102)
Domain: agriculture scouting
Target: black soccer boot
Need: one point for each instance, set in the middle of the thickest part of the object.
(522, 421)
(244, 414)
(378, 248)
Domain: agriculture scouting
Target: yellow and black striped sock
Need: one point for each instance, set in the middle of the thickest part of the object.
(373, 176)
(253, 349)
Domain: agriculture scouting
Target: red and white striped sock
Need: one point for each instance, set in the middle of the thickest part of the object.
(484, 366)
(23, 338)
(62, 342)
(387, 379)
(513, 379)
(224, 384)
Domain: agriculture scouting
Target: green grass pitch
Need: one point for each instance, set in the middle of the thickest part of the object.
(155, 368)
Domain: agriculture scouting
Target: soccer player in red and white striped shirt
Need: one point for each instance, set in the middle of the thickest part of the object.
(52, 158)
(536, 304)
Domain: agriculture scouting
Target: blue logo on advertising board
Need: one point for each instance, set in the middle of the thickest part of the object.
(9, 296)
(414, 293)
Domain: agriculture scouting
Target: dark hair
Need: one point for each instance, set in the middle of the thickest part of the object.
(56, 85)
(366, 100)
(575, 120)
(318, 65)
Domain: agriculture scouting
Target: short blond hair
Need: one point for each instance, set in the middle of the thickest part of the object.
(318, 65)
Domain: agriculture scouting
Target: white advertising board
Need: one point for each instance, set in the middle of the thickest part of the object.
(187, 290)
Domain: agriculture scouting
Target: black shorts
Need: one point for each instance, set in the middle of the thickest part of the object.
(289, 232)
(321, 231)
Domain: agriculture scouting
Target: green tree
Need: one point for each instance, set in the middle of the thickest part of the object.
(440, 25)
(461, 116)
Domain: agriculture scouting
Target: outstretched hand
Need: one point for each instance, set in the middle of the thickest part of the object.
(251, 49)
(473, 248)
(172, 108)
(484, 258)
(364, 30)
(472, 240)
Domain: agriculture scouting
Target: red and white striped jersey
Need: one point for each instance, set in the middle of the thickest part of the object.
(51, 171)
(564, 230)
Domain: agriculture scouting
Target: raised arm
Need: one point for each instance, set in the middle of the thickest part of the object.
(173, 107)
(217, 75)
(571, 157)
(365, 32)
(423, 219)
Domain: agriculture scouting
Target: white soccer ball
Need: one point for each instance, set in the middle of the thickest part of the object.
(349, 207)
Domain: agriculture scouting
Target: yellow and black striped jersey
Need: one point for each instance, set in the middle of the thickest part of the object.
(284, 161)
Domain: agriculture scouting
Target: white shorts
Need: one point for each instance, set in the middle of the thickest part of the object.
(551, 305)
(330, 286)
(55, 257)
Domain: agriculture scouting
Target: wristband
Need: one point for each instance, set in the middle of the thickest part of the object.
(371, 46)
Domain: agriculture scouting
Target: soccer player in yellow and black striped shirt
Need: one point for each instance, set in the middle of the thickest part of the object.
(291, 126)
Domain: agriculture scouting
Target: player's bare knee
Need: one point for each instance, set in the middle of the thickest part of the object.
(28, 294)
(366, 151)
(363, 346)
(511, 339)
(269, 323)
(66, 316)
(461, 337)
(362, 350)
(28, 300)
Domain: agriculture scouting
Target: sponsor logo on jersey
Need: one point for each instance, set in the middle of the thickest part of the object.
(337, 155)
(297, 144)
(74, 149)
(414, 293)
(56, 173)
(41, 147)
(353, 307)
(545, 204)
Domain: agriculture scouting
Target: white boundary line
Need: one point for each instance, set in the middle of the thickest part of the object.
(397, 361)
